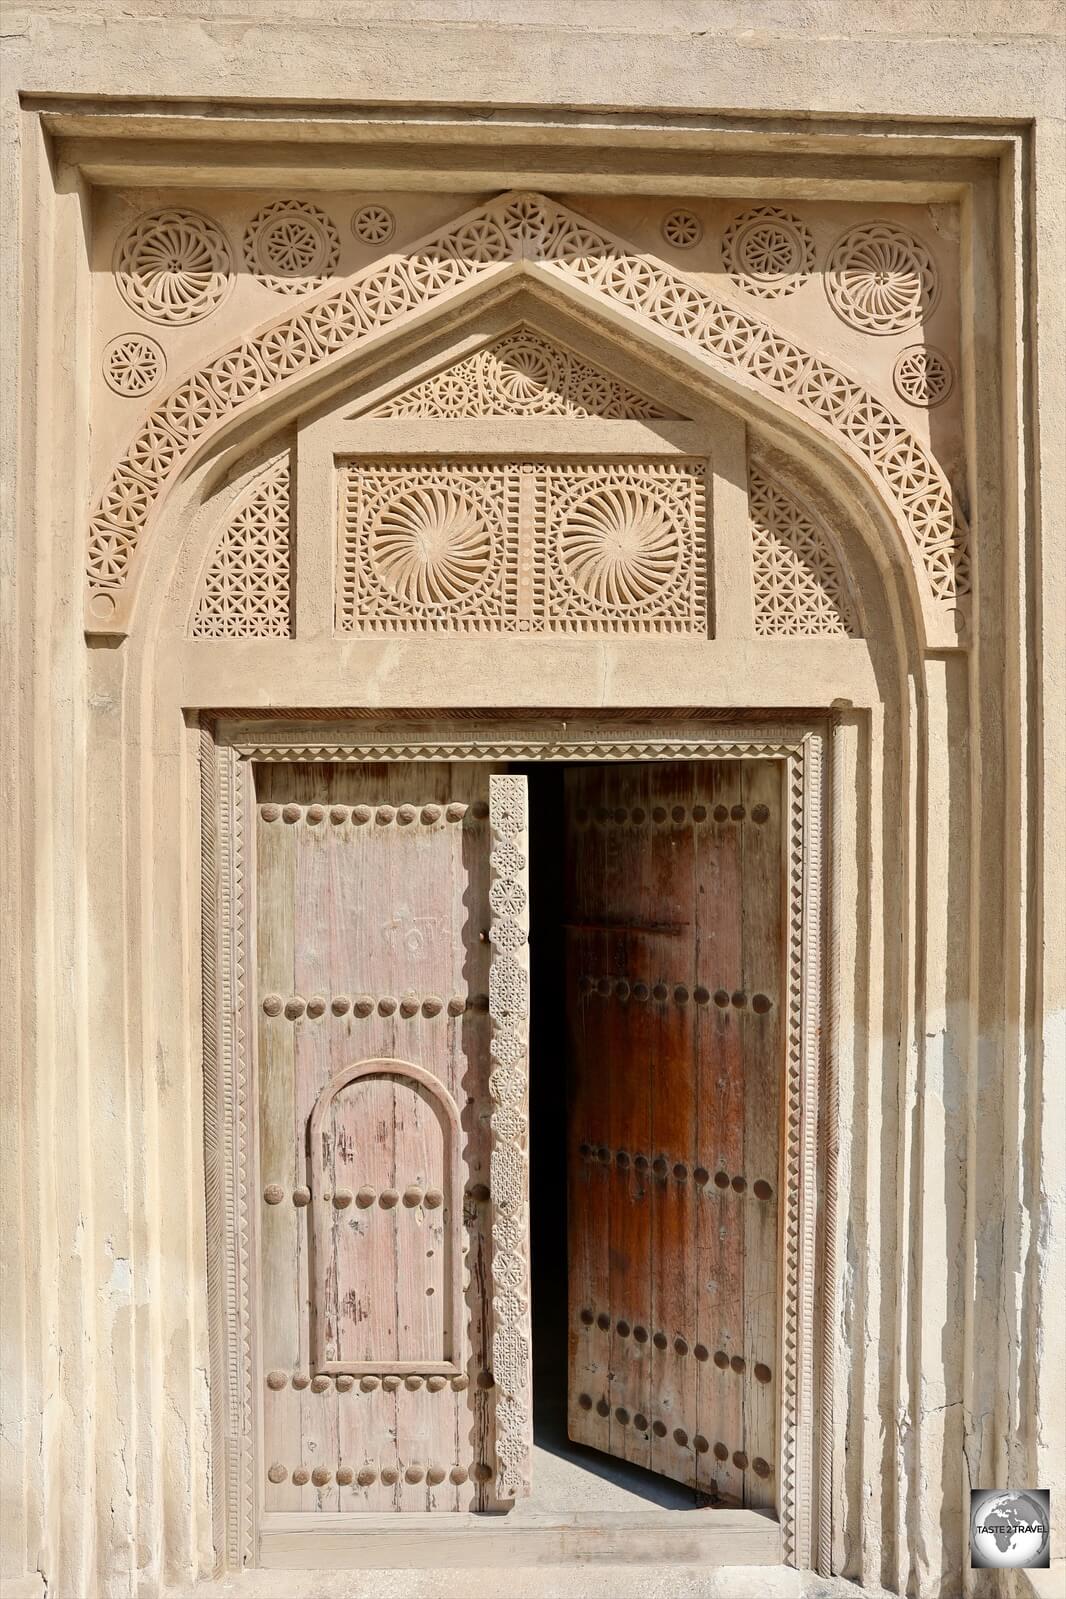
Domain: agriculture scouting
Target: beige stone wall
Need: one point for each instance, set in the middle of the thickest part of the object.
(949, 785)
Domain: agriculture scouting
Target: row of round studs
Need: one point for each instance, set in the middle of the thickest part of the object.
(660, 1166)
(383, 815)
(274, 1193)
(390, 1382)
(388, 1198)
(366, 1476)
(699, 1443)
(723, 1361)
(677, 814)
(364, 1005)
(622, 988)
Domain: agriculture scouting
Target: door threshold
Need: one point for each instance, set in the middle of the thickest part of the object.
(418, 1540)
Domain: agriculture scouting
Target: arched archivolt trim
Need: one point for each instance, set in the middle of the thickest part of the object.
(404, 1071)
(528, 233)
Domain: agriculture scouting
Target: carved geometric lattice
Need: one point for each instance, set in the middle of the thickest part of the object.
(530, 546)
(246, 591)
(521, 374)
(799, 589)
(529, 232)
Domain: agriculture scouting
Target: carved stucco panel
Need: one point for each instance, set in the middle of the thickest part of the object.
(521, 232)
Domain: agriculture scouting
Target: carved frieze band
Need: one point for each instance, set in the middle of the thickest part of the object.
(509, 1170)
(532, 546)
(515, 231)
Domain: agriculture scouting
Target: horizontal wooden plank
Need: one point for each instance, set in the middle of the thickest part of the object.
(368, 1542)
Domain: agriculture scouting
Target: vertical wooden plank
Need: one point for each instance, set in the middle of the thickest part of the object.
(279, 1155)
(368, 1410)
(627, 1043)
(319, 1399)
(762, 1022)
(465, 797)
(640, 1048)
(673, 1127)
(720, 1242)
(682, 906)
(390, 904)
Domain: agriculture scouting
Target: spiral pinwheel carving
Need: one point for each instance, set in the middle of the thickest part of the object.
(528, 377)
(619, 546)
(881, 279)
(173, 266)
(431, 546)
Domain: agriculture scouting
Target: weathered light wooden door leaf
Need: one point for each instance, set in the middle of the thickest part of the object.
(391, 1128)
(676, 971)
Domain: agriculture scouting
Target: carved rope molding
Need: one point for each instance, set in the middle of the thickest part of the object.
(514, 232)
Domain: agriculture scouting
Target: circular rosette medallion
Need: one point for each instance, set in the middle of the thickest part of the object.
(881, 279)
(619, 546)
(431, 545)
(173, 266)
(291, 246)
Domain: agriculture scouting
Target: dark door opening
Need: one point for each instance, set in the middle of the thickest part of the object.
(567, 1475)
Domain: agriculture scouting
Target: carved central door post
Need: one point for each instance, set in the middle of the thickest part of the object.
(509, 1169)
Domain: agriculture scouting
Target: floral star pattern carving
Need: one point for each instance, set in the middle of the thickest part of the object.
(530, 232)
(291, 246)
(522, 374)
(800, 591)
(923, 376)
(133, 364)
(246, 591)
(531, 546)
(768, 252)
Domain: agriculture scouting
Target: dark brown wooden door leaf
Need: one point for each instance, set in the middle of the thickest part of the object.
(676, 963)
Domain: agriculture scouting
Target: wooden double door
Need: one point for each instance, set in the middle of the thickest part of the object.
(376, 1103)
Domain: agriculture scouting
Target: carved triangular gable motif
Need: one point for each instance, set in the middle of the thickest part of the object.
(522, 374)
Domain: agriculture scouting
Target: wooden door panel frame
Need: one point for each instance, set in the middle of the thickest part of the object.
(321, 1195)
(231, 746)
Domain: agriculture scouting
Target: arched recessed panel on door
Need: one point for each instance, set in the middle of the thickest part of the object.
(387, 1249)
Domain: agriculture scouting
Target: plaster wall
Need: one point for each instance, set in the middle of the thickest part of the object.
(949, 780)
